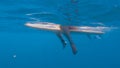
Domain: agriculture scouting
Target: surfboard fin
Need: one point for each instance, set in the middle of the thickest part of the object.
(98, 36)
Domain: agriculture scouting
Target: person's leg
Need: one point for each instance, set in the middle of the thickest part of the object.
(59, 35)
(66, 32)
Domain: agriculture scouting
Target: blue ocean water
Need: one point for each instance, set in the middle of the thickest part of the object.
(23, 47)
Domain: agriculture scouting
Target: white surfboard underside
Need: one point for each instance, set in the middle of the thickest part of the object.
(56, 27)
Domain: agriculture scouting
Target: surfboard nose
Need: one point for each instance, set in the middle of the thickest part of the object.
(31, 25)
(27, 24)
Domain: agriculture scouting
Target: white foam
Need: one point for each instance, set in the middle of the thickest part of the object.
(29, 14)
(99, 23)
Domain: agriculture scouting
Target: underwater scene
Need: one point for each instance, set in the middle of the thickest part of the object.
(60, 34)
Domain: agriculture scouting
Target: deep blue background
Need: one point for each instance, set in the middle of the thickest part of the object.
(41, 49)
